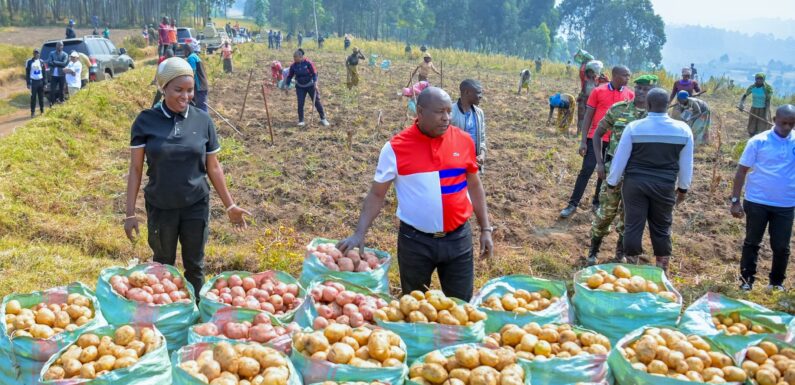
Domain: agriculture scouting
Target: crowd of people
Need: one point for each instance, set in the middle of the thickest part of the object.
(638, 137)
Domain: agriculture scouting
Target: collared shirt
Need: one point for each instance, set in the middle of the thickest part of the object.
(36, 68)
(771, 158)
(163, 33)
(601, 99)
(655, 148)
(176, 147)
(430, 176)
(616, 120)
(73, 80)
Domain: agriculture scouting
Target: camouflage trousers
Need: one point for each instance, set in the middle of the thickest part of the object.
(610, 207)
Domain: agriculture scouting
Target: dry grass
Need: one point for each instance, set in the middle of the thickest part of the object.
(62, 177)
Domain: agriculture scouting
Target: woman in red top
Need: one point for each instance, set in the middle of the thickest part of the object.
(685, 84)
(226, 54)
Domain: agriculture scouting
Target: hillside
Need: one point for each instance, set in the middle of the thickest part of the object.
(62, 177)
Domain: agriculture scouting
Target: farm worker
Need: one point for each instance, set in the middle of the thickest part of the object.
(433, 166)
(152, 34)
(73, 73)
(590, 77)
(760, 92)
(469, 117)
(226, 54)
(685, 84)
(694, 71)
(172, 35)
(347, 42)
(320, 40)
(169, 53)
(564, 103)
(106, 32)
(655, 158)
(177, 195)
(300, 39)
(163, 37)
(58, 60)
(424, 69)
(610, 206)
(769, 196)
(34, 76)
(145, 34)
(524, 81)
(352, 66)
(270, 37)
(599, 101)
(70, 30)
(695, 112)
(202, 86)
(538, 64)
(305, 76)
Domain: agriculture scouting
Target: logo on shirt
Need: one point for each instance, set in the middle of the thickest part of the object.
(456, 154)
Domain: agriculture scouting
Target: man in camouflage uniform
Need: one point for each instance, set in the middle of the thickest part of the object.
(610, 205)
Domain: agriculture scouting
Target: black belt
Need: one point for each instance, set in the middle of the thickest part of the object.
(440, 234)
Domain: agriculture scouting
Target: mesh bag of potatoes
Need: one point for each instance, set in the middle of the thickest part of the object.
(37, 325)
(520, 299)
(172, 319)
(232, 363)
(351, 383)
(666, 356)
(110, 355)
(430, 321)
(769, 362)
(231, 323)
(369, 269)
(615, 299)
(735, 324)
(469, 364)
(342, 353)
(557, 354)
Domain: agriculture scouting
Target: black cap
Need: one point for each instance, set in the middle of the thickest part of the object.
(35, 50)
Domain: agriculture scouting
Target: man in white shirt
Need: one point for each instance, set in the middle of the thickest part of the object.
(73, 71)
(769, 197)
(34, 77)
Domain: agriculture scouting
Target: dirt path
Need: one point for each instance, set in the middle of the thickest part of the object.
(10, 122)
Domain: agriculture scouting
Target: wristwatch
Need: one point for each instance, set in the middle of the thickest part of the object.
(735, 200)
(489, 229)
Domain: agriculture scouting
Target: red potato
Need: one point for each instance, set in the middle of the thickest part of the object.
(335, 304)
(236, 330)
(261, 330)
(235, 280)
(157, 289)
(207, 329)
(258, 292)
(352, 261)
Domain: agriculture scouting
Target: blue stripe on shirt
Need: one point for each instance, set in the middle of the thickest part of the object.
(454, 188)
(451, 172)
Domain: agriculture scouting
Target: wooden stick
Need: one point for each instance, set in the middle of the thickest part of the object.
(223, 118)
(267, 112)
(245, 96)
(441, 74)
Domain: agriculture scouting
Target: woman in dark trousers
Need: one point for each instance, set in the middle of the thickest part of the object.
(305, 76)
(181, 149)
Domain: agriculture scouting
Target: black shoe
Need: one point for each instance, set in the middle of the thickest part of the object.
(32, 114)
(570, 209)
(746, 286)
(593, 254)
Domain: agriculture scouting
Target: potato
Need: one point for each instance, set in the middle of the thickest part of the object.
(512, 336)
(434, 373)
(71, 367)
(378, 346)
(88, 371)
(468, 357)
(340, 353)
(336, 331)
(225, 355)
(248, 367)
(89, 354)
(594, 281)
(765, 377)
(124, 335)
(483, 375)
(769, 348)
(54, 372)
(460, 374)
(316, 342)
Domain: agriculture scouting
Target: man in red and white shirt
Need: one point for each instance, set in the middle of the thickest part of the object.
(436, 178)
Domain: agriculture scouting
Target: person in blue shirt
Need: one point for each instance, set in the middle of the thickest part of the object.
(305, 76)
(761, 93)
(199, 78)
(769, 197)
(467, 116)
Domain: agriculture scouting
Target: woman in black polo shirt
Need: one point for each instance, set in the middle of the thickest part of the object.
(181, 147)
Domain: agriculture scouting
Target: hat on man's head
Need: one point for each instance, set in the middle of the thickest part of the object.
(428, 55)
(74, 54)
(171, 69)
(682, 95)
(35, 50)
(759, 75)
(646, 80)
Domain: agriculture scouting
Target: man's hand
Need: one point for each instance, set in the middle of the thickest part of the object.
(737, 210)
(350, 243)
(480, 158)
(680, 197)
(600, 171)
(583, 149)
(131, 229)
(236, 216)
(741, 107)
(486, 245)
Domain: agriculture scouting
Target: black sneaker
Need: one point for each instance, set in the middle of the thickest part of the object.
(746, 286)
(570, 209)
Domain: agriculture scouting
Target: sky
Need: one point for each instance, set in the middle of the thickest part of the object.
(732, 14)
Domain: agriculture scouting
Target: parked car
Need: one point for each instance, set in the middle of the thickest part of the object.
(106, 60)
(186, 36)
(213, 38)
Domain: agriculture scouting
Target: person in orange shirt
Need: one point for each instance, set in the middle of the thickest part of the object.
(226, 54)
(172, 34)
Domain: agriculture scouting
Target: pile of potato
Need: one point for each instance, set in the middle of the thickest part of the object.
(353, 383)
(361, 347)
(46, 320)
(92, 356)
(535, 342)
(521, 301)
(353, 260)
(151, 288)
(429, 307)
(240, 364)
(669, 353)
(260, 330)
(334, 303)
(766, 364)
(469, 366)
(269, 294)
(622, 281)
(733, 324)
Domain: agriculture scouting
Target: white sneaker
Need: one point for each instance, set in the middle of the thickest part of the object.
(325, 122)
(301, 124)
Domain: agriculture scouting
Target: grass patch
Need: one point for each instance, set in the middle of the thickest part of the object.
(14, 56)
